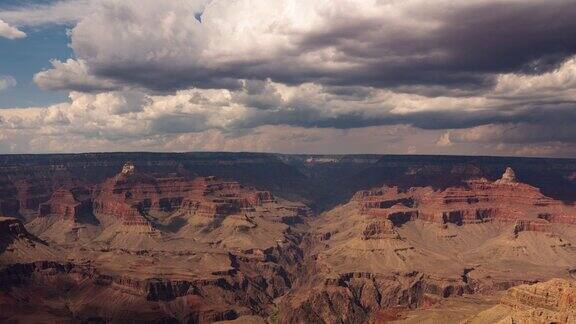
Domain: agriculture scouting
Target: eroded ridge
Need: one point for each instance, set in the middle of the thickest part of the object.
(553, 301)
(504, 200)
(199, 249)
(387, 248)
(172, 248)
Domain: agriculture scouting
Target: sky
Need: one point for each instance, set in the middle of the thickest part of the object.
(475, 77)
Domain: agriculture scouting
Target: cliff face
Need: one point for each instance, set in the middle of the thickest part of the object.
(478, 201)
(67, 204)
(193, 249)
(320, 181)
(553, 301)
(135, 198)
(408, 248)
(180, 238)
(38, 176)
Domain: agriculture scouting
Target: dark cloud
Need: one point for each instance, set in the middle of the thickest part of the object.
(486, 70)
(529, 37)
(471, 45)
(179, 123)
(442, 45)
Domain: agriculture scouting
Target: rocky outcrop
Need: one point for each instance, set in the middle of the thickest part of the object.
(214, 198)
(18, 245)
(259, 198)
(128, 169)
(558, 295)
(31, 193)
(131, 196)
(553, 301)
(357, 297)
(176, 244)
(12, 227)
(379, 229)
(505, 200)
(67, 204)
(126, 197)
(509, 176)
(533, 225)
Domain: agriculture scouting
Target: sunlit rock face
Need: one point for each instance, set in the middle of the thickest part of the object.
(479, 200)
(552, 301)
(509, 176)
(128, 169)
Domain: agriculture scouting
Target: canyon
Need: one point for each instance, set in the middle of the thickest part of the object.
(272, 238)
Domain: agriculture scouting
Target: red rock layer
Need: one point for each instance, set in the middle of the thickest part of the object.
(32, 193)
(382, 228)
(504, 200)
(557, 295)
(130, 195)
(123, 198)
(64, 204)
(531, 225)
(212, 197)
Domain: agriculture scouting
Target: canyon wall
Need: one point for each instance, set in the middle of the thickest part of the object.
(202, 237)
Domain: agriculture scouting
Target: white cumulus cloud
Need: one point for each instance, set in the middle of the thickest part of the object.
(10, 32)
(6, 82)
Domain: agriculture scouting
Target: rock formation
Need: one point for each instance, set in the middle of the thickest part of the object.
(160, 240)
(11, 227)
(135, 198)
(553, 301)
(509, 176)
(31, 193)
(407, 248)
(504, 200)
(128, 169)
(18, 245)
(167, 248)
(66, 204)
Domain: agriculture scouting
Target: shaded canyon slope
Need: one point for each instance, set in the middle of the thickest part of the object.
(251, 237)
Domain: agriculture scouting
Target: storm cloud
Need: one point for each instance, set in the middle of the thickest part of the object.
(160, 46)
(480, 71)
